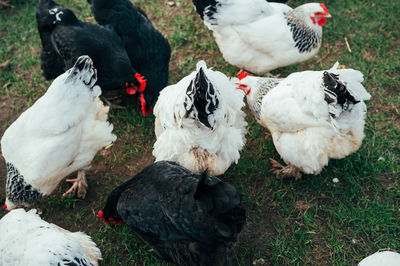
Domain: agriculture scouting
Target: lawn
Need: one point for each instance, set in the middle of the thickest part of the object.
(310, 221)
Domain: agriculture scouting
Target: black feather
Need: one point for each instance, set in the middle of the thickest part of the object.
(65, 38)
(202, 5)
(336, 92)
(187, 218)
(147, 48)
(201, 99)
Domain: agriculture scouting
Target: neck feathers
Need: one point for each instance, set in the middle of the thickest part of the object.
(17, 190)
(305, 37)
(258, 91)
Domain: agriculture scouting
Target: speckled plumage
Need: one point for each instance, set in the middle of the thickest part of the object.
(58, 135)
(259, 35)
(306, 39)
(312, 115)
(17, 190)
(266, 84)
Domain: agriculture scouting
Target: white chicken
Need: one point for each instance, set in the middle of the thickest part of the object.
(312, 116)
(381, 258)
(199, 122)
(58, 135)
(260, 36)
(26, 239)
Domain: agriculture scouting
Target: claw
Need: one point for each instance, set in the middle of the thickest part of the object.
(281, 171)
(78, 183)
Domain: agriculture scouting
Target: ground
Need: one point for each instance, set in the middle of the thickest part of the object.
(309, 221)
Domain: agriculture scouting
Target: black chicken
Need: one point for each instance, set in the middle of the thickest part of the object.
(187, 218)
(65, 38)
(147, 48)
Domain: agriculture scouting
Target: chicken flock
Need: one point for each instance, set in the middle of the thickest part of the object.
(176, 205)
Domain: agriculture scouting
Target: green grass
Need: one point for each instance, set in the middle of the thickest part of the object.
(310, 221)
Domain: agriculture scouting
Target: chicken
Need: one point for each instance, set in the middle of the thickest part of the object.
(58, 135)
(26, 239)
(187, 218)
(312, 116)
(199, 122)
(260, 36)
(65, 38)
(147, 48)
(384, 258)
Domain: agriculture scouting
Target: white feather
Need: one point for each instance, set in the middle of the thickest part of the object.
(304, 133)
(382, 258)
(59, 134)
(188, 142)
(255, 35)
(26, 239)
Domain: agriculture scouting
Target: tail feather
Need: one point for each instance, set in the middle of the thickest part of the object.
(201, 99)
(205, 7)
(337, 94)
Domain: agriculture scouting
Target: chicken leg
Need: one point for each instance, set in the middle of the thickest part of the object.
(112, 105)
(79, 183)
(281, 171)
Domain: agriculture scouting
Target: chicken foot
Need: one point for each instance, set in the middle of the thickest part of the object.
(79, 183)
(281, 171)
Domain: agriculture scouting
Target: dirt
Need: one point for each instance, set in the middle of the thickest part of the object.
(386, 181)
(259, 228)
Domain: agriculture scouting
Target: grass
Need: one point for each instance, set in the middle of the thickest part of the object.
(310, 221)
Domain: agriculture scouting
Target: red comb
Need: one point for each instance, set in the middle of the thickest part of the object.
(324, 8)
(142, 81)
(242, 75)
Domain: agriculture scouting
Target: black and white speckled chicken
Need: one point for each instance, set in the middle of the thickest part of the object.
(147, 48)
(187, 218)
(58, 135)
(313, 116)
(65, 38)
(260, 36)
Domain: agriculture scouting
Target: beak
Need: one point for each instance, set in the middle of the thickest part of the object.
(328, 15)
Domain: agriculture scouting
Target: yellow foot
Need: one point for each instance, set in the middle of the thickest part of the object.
(79, 183)
(281, 171)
